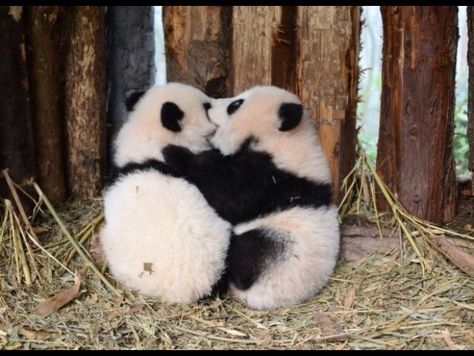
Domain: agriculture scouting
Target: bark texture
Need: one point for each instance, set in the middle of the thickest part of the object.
(327, 77)
(84, 101)
(470, 109)
(415, 156)
(197, 42)
(285, 50)
(130, 60)
(16, 137)
(44, 25)
(252, 40)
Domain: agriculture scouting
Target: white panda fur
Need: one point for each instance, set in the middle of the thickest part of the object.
(282, 251)
(311, 235)
(158, 220)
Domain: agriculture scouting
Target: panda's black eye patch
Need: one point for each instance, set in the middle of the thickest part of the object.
(171, 115)
(233, 106)
(207, 106)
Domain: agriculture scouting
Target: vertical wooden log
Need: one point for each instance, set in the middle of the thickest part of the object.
(415, 157)
(84, 102)
(327, 76)
(285, 50)
(16, 138)
(197, 42)
(470, 108)
(130, 60)
(43, 30)
(252, 40)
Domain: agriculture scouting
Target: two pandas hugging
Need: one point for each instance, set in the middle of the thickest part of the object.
(220, 196)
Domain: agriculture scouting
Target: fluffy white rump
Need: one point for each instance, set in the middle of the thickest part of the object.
(312, 246)
(162, 238)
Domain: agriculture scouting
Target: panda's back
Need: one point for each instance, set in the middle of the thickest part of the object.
(161, 237)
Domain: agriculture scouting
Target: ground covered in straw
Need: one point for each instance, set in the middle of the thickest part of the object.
(378, 301)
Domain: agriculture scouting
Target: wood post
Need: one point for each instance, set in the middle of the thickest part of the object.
(415, 157)
(197, 42)
(44, 62)
(130, 60)
(252, 40)
(16, 137)
(84, 102)
(470, 109)
(312, 51)
(327, 77)
(285, 49)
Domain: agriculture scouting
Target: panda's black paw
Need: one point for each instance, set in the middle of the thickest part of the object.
(177, 157)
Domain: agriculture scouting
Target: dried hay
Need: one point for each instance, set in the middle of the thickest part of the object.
(412, 298)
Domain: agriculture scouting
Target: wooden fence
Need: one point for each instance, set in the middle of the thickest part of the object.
(65, 72)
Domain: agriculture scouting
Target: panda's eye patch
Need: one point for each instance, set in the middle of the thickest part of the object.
(207, 106)
(233, 106)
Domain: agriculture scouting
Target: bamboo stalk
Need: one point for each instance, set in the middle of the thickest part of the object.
(21, 253)
(73, 242)
(4, 227)
(84, 235)
(374, 204)
(18, 203)
(49, 254)
(8, 207)
(28, 249)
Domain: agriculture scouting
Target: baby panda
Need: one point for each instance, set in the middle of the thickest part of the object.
(270, 178)
(160, 236)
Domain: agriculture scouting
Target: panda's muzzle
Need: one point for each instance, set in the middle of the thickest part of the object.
(209, 136)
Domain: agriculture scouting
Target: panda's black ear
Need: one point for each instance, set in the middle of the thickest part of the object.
(290, 115)
(171, 115)
(132, 97)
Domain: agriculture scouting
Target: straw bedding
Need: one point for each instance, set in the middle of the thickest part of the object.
(56, 294)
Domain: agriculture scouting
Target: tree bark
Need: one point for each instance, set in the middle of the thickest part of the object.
(130, 60)
(285, 50)
(84, 102)
(415, 157)
(327, 77)
(253, 37)
(470, 110)
(16, 138)
(197, 42)
(43, 31)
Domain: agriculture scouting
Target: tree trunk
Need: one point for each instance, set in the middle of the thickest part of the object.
(253, 36)
(43, 30)
(327, 77)
(16, 139)
(197, 40)
(130, 60)
(285, 50)
(415, 156)
(470, 110)
(84, 102)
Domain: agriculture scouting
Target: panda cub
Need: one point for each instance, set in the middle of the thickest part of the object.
(160, 236)
(270, 178)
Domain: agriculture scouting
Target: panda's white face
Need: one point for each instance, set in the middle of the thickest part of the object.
(173, 113)
(267, 113)
(280, 125)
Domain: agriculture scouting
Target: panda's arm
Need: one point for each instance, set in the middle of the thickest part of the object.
(179, 158)
(192, 165)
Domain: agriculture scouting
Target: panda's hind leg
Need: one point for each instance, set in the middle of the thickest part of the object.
(250, 254)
